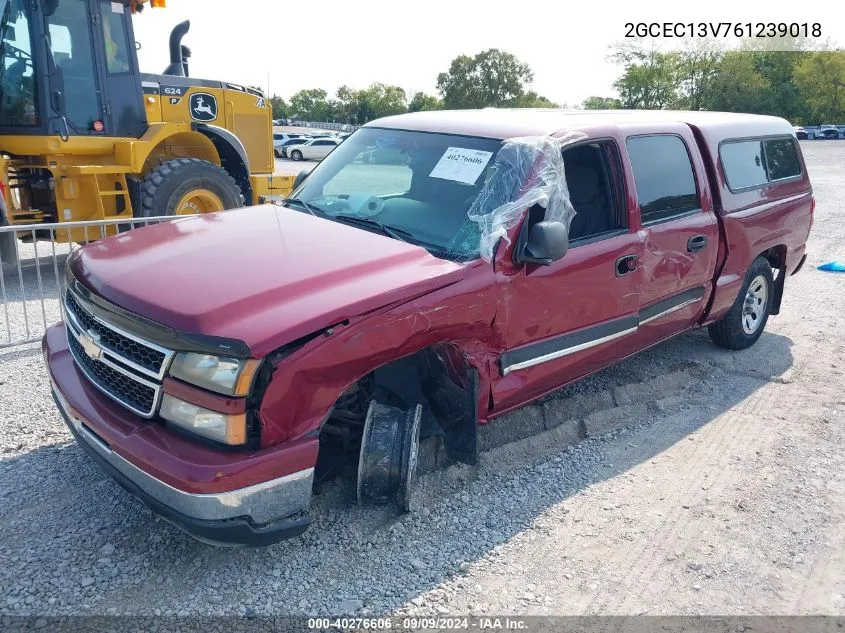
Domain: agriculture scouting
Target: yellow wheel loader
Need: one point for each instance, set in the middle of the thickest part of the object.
(84, 135)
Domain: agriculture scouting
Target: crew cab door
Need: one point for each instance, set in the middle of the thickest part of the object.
(568, 319)
(677, 221)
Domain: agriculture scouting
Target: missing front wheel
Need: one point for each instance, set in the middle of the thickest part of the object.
(387, 465)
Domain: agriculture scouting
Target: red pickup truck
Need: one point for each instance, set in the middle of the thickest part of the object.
(435, 271)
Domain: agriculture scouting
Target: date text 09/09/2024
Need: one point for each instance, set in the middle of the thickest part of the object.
(723, 29)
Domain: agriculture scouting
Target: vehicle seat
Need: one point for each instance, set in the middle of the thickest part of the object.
(592, 211)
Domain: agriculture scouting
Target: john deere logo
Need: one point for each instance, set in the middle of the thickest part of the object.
(203, 106)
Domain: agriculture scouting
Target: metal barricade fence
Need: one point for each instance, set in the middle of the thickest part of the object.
(32, 271)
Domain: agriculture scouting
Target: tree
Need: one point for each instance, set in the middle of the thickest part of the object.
(697, 67)
(490, 78)
(738, 86)
(601, 103)
(820, 79)
(778, 67)
(310, 105)
(532, 100)
(379, 100)
(344, 106)
(422, 102)
(279, 107)
(649, 80)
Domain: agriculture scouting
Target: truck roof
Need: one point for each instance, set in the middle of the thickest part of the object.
(503, 123)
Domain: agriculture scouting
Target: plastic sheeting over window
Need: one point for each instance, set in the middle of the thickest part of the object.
(526, 171)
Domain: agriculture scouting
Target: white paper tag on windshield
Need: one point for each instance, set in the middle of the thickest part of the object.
(461, 165)
(117, 7)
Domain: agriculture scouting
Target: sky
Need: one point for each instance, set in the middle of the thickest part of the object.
(289, 46)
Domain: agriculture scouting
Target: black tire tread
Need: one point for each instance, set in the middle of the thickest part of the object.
(150, 188)
(728, 332)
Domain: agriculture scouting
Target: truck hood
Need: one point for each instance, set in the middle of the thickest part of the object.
(265, 275)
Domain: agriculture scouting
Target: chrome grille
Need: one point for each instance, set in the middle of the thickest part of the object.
(124, 367)
(145, 357)
(127, 391)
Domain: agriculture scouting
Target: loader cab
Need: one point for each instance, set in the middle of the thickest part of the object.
(69, 68)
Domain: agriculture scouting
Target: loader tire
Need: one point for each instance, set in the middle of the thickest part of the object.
(188, 186)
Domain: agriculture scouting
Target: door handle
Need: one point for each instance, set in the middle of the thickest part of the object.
(696, 243)
(626, 265)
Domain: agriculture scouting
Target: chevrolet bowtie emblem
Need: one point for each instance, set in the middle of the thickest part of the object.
(89, 344)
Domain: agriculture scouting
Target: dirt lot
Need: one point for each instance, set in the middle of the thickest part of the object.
(725, 494)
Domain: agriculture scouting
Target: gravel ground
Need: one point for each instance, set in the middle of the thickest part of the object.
(725, 495)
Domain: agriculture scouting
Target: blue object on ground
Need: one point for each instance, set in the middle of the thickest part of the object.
(835, 267)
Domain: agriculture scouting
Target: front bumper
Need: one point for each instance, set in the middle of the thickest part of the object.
(259, 514)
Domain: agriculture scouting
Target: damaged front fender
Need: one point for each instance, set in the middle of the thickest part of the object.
(308, 381)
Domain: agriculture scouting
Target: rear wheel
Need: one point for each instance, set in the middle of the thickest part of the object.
(296, 155)
(745, 321)
(188, 186)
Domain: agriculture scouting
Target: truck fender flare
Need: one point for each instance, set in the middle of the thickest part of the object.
(233, 156)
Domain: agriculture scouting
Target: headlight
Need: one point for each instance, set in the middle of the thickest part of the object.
(228, 429)
(229, 376)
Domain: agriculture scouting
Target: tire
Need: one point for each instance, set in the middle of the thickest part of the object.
(277, 153)
(296, 155)
(745, 321)
(167, 187)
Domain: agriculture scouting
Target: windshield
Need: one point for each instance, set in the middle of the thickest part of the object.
(17, 75)
(417, 184)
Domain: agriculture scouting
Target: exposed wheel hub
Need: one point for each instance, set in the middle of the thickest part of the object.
(387, 465)
(199, 201)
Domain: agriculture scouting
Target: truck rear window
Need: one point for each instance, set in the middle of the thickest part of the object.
(757, 162)
(744, 164)
(781, 158)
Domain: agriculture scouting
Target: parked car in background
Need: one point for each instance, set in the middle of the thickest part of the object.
(827, 131)
(282, 150)
(800, 132)
(280, 138)
(315, 149)
(371, 310)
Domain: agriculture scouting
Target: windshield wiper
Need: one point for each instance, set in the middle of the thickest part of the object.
(304, 205)
(389, 231)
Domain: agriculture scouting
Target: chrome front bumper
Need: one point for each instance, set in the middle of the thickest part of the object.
(264, 510)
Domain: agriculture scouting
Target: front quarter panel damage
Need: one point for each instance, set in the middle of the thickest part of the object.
(307, 382)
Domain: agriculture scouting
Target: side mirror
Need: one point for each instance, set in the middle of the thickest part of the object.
(300, 177)
(547, 242)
